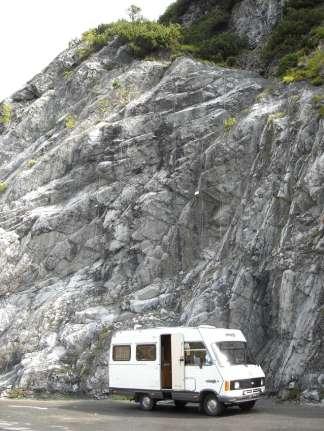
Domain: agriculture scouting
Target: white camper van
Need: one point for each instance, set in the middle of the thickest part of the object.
(204, 365)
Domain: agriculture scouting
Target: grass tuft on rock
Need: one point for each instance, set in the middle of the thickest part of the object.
(5, 114)
(31, 163)
(3, 186)
(229, 123)
(70, 121)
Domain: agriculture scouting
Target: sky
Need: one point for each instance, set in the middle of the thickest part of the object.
(34, 32)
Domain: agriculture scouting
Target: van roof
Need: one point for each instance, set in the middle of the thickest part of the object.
(192, 332)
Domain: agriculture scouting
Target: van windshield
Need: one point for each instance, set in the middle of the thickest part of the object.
(234, 353)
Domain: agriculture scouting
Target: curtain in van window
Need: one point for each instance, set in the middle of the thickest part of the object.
(121, 353)
(146, 352)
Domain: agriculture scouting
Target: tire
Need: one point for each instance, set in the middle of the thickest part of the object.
(146, 403)
(211, 406)
(245, 407)
(180, 404)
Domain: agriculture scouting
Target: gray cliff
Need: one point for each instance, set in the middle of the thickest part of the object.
(158, 193)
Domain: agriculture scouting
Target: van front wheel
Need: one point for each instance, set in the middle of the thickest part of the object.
(212, 406)
(146, 402)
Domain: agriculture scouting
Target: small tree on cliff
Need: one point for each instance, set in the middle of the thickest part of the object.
(134, 13)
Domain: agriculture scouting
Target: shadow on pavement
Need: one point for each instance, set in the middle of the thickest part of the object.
(167, 410)
(118, 408)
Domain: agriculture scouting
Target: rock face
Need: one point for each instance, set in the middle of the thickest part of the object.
(158, 193)
(256, 18)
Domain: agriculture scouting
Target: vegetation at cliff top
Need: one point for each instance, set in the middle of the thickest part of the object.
(294, 40)
(143, 37)
(292, 43)
(207, 38)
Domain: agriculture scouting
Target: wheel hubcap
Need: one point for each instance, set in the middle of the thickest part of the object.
(212, 406)
(146, 402)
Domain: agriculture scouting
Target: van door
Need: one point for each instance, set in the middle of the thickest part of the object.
(177, 349)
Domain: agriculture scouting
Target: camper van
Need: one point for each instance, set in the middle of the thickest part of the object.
(204, 365)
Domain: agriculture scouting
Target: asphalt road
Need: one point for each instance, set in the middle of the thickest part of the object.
(106, 415)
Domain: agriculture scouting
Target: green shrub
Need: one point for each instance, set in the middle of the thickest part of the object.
(318, 101)
(5, 114)
(116, 84)
(143, 37)
(221, 47)
(70, 121)
(207, 38)
(17, 393)
(229, 123)
(84, 52)
(293, 32)
(317, 34)
(287, 62)
(321, 111)
(207, 26)
(309, 68)
(296, 35)
(3, 186)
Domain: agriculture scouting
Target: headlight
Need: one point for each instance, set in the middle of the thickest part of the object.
(262, 382)
(237, 385)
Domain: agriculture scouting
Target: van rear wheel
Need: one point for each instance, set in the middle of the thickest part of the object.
(212, 406)
(247, 406)
(146, 403)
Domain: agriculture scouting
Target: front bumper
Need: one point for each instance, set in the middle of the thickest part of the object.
(232, 399)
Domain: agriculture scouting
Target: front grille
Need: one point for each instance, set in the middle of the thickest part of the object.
(247, 383)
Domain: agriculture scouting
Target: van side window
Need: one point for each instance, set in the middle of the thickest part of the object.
(195, 353)
(121, 353)
(146, 352)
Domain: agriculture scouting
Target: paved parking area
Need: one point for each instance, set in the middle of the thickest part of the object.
(106, 415)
